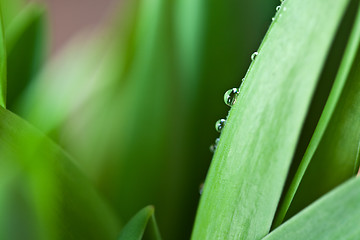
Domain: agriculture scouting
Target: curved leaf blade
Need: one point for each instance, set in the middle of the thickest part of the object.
(250, 166)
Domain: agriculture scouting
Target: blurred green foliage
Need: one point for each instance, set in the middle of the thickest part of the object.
(42, 194)
(141, 226)
(26, 49)
(130, 111)
(136, 108)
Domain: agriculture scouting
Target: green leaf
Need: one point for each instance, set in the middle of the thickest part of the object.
(334, 216)
(43, 193)
(26, 48)
(141, 226)
(331, 157)
(10, 8)
(2, 64)
(249, 168)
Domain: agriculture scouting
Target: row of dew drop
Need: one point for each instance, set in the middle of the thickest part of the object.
(230, 97)
(278, 9)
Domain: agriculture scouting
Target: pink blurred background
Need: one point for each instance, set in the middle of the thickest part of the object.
(67, 17)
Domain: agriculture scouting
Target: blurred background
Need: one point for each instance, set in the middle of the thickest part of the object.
(68, 17)
(131, 90)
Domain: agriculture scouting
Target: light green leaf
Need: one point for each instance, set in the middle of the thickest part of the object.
(249, 168)
(330, 157)
(334, 216)
(10, 8)
(43, 193)
(141, 226)
(26, 48)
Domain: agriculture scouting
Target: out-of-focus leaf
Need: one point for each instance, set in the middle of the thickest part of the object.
(42, 193)
(3, 61)
(66, 83)
(141, 226)
(26, 48)
(334, 216)
(9, 9)
(331, 156)
(249, 168)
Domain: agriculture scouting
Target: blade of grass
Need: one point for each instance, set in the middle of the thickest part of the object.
(26, 48)
(334, 216)
(2, 62)
(323, 88)
(141, 226)
(331, 155)
(61, 202)
(249, 168)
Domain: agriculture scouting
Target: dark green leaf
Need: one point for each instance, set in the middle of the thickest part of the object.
(26, 47)
(3, 63)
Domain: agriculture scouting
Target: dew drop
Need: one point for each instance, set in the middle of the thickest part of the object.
(201, 188)
(278, 8)
(212, 148)
(220, 124)
(253, 56)
(273, 19)
(231, 95)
